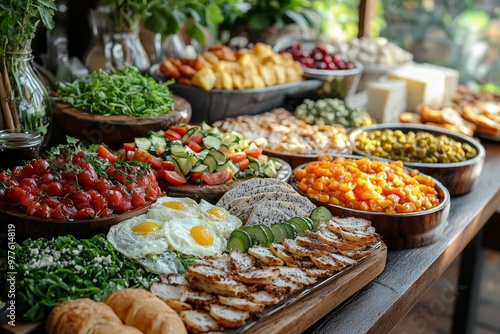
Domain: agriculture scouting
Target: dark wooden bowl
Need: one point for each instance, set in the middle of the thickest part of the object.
(26, 226)
(298, 159)
(213, 193)
(399, 230)
(114, 130)
(458, 177)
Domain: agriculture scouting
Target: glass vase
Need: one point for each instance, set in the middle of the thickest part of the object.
(24, 100)
(128, 50)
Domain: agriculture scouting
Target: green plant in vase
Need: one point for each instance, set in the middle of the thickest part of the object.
(24, 100)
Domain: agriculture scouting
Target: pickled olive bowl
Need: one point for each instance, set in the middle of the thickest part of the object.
(398, 230)
(458, 177)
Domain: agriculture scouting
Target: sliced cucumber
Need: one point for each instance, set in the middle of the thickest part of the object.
(239, 240)
(179, 151)
(320, 214)
(280, 232)
(159, 143)
(185, 165)
(264, 159)
(312, 225)
(229, 165)
(204, 126)
(201, 155)
(212, 142)
(219, 156)
(277, 164)
(291, 230)
(270, 170)
(258, 235)
(143, 143)
(211, 163)
(302, 222)
(159, 133)
(188, 134)
(199, 168)
(298, 227)
(254, 164)
(270, 233)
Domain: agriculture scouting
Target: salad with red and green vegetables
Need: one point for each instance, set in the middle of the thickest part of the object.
(201, 154)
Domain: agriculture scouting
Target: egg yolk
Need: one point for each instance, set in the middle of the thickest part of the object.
(146, 227)
(175, 205)
(202, 235)
(218, 213)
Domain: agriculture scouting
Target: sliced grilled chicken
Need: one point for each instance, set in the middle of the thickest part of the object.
(331, 238)
(368, 237)
(317, 272)
(348, 261)
(265, 298)
(294, 248)
(264, 275)
(200, 298)
(354, 225)
(168, 291)
(205, 272)
(174, 279)
(177, 305)
(242, 304)
(225, 286)
(199, 321)
(241, 262)
(280, 251)
(327, 262)
(228, 316)
(315, 243)
(265, 257)
(355, 254)
(282, 285)
(296, 275)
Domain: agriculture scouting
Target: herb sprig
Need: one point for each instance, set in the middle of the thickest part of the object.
(19, 20)
(120, 92)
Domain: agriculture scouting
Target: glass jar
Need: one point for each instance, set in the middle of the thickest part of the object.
(18, 146)
(24, 99)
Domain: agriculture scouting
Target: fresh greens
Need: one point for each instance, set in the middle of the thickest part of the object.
(51, 271)
(120, 92)
(19, 20)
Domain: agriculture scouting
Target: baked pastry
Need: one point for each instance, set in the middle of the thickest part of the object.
(85, 316)
(143, 310)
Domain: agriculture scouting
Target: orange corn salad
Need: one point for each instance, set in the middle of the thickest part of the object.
(368, 185)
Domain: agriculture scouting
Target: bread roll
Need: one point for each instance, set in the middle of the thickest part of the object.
(85, 316)
(143, 310)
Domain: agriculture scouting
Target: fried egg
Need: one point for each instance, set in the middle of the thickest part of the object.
(139, 236)
(193, 236)
(166, 208)
(219, 218)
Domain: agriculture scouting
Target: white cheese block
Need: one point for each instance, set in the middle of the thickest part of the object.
(451, 78)
(424, 84)
(386, 100)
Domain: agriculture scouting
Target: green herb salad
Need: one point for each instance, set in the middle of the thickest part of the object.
(51, 271)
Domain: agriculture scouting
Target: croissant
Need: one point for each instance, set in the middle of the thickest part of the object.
(143, 310)
(85, 316)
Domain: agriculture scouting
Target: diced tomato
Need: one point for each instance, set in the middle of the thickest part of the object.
(114, 197)
(104, 153)
(141, 155)
(218, 177)
(224, 150)
(175, 178)
(167, 165)
(194, 146)
(121, 154)
(160, 173)
(172, 135)
(244, 164)
(197, 177)
(130, 155)
(179, 129)
(138, 198)
(155, 162)
(238, 156)
(129, 146)
(195, 138)
(254, 152)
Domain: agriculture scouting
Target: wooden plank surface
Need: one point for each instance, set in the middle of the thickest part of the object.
(410, 273)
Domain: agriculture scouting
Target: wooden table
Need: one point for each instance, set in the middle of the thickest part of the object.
(410, 273)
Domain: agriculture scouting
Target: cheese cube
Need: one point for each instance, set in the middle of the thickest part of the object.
(451, 78)
(386, 100)
(423, 84)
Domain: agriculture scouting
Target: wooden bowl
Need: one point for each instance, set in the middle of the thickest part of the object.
(114, 130)
(27, 226)
(399, 230)
(213, 193)
(298, 159)
(458, 177)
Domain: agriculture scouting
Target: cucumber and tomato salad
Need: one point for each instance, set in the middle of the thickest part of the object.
(201, 154)
(247, 236)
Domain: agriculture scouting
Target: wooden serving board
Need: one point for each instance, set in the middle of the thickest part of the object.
(296, 317)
